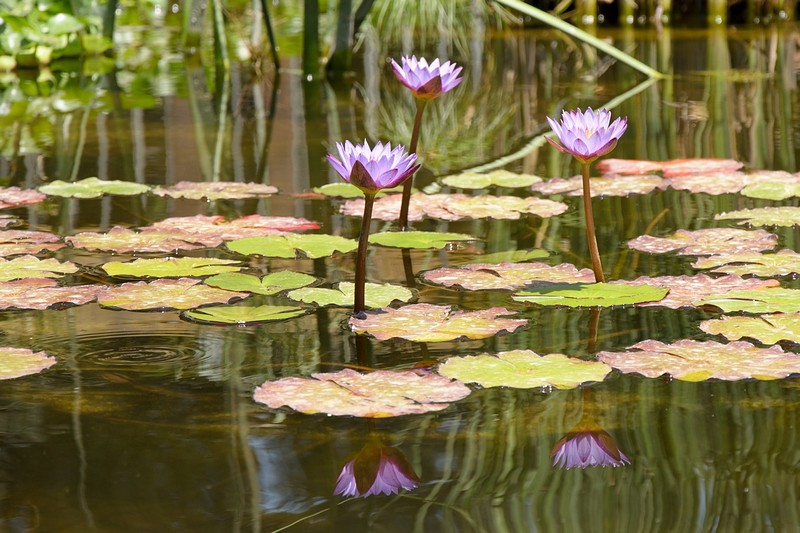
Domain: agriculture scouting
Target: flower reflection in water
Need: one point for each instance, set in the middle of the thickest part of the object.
(376, 469)
(587, 447)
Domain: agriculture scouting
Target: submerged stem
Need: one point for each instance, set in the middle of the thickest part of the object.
(412, 149)
(591, 238)
(361, 256)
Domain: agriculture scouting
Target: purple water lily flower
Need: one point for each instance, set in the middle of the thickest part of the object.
(372, 169)
(587, 135)
(427, 80)
(376, 469)
(594, 447)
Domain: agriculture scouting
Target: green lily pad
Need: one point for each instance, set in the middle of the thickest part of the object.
(287, 246)
(507, 276)
(29, 266)
(171, 267)
(435, 323)
(18, 362)
(347, 190)
(268, 285)
(497, 178)
(709, 241)
(376, 295)
(772, 300)
(92, 188)
(216, 190)
(418, 239)
(513, 256)
(379, 394)
(689, 360)
(772, 190)
(162, 294)
(769, 329)
(243, 315)
(764, 216)
(523, 369)
(782, 263)
(590, 294)
(61, 23)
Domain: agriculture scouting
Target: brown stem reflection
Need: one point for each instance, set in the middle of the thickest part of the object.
(376, 469)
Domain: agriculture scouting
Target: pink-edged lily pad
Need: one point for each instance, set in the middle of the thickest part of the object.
(497, 178)
(690, 360)
(768, 329)
(675, 167)
(15, 197)
(782, 263)
(506, 276)
(29, 266)
(685, 290)
(627, 166)
(123, 240)
(171, 267)
(18, 362)
(719, 183)
(215, 227)
(764, 216)
(218, 190)
(379, 394)
(605, 186)
(589, 294)
(42, 293)
(709, 241)
(523, 369)
(435, 323)
(770, 300)
(23, 242)
(183, 293)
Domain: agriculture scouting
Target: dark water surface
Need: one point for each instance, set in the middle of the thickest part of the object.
(147, 422)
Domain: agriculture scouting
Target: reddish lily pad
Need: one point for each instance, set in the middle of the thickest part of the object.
(18, 362)
(123, 240)
(171, 267)
(523, 369)
(685, 290)
(782, 263)
(29, 266)
(22, 242)
(772, 300)
(764, 216)
(15, 197)
(497, 178)
(42, 293)
(376, 295)
(589, 294)
(719, 183)
(184, 293)
(418, 239)
(8, 220)
(435, 323)
(288, 246)
(506, 276)
(627, 166)
(683, 167)
(268, 285)
(241, 315)
(605, 186)
(690, 360)
(204, 228)
(217, 190)
(92, 188)
(709, 241)
(769, 329)
(379, 394)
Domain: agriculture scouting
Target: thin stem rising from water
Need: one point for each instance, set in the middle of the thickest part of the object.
(412, 149)
(361, 256)
(591, 238)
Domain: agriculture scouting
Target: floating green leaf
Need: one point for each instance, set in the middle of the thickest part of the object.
(376, 295)
(590, 294)
(764, 216)
(772, 300)
(418, 239)
(184, 293)
(92, 188)
(782, 263)
(498, 178)
(62, 23)
(347, 190)
(268, 285)
(523, 369)
(709, 241)
(171, 267)
(379, 394)
(690, 360)
(29, 266)
(507, 276)
(435, 323)
(243, 315)
(18, 362)
(768, 329)
(287, 246)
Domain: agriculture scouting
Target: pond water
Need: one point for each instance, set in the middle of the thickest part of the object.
(147, 421)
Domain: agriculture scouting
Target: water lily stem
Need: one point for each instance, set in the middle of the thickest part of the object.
(361, 256)
(412, 149)
(597, 267)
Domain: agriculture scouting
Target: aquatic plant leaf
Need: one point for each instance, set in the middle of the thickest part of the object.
(216, 190)
(18, 362)
(348, 190)
(8, 220)
(379, 394)
(171, 267)
(205, 229)
(774, 189)
(690, 360)
(605, 186)
(243, 315)
(709, 241)
(418, 239)
(61, 23)
(717, 183)
(523, 369)
(29, 266)
(268, 285)
(769, 329)
(376, 295)
(435, 323)
(42, 293)
(14, 197)
(782, 263)
(287, 246)
(387, 207)
(764, 216)
(771, 300)
(497, 178)
(627, 166)
(685, 290)
(92, 188)
(123, 240)
(513, 256)
(683, 167)
(589, 294)
(506, 276)
(162, 294)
